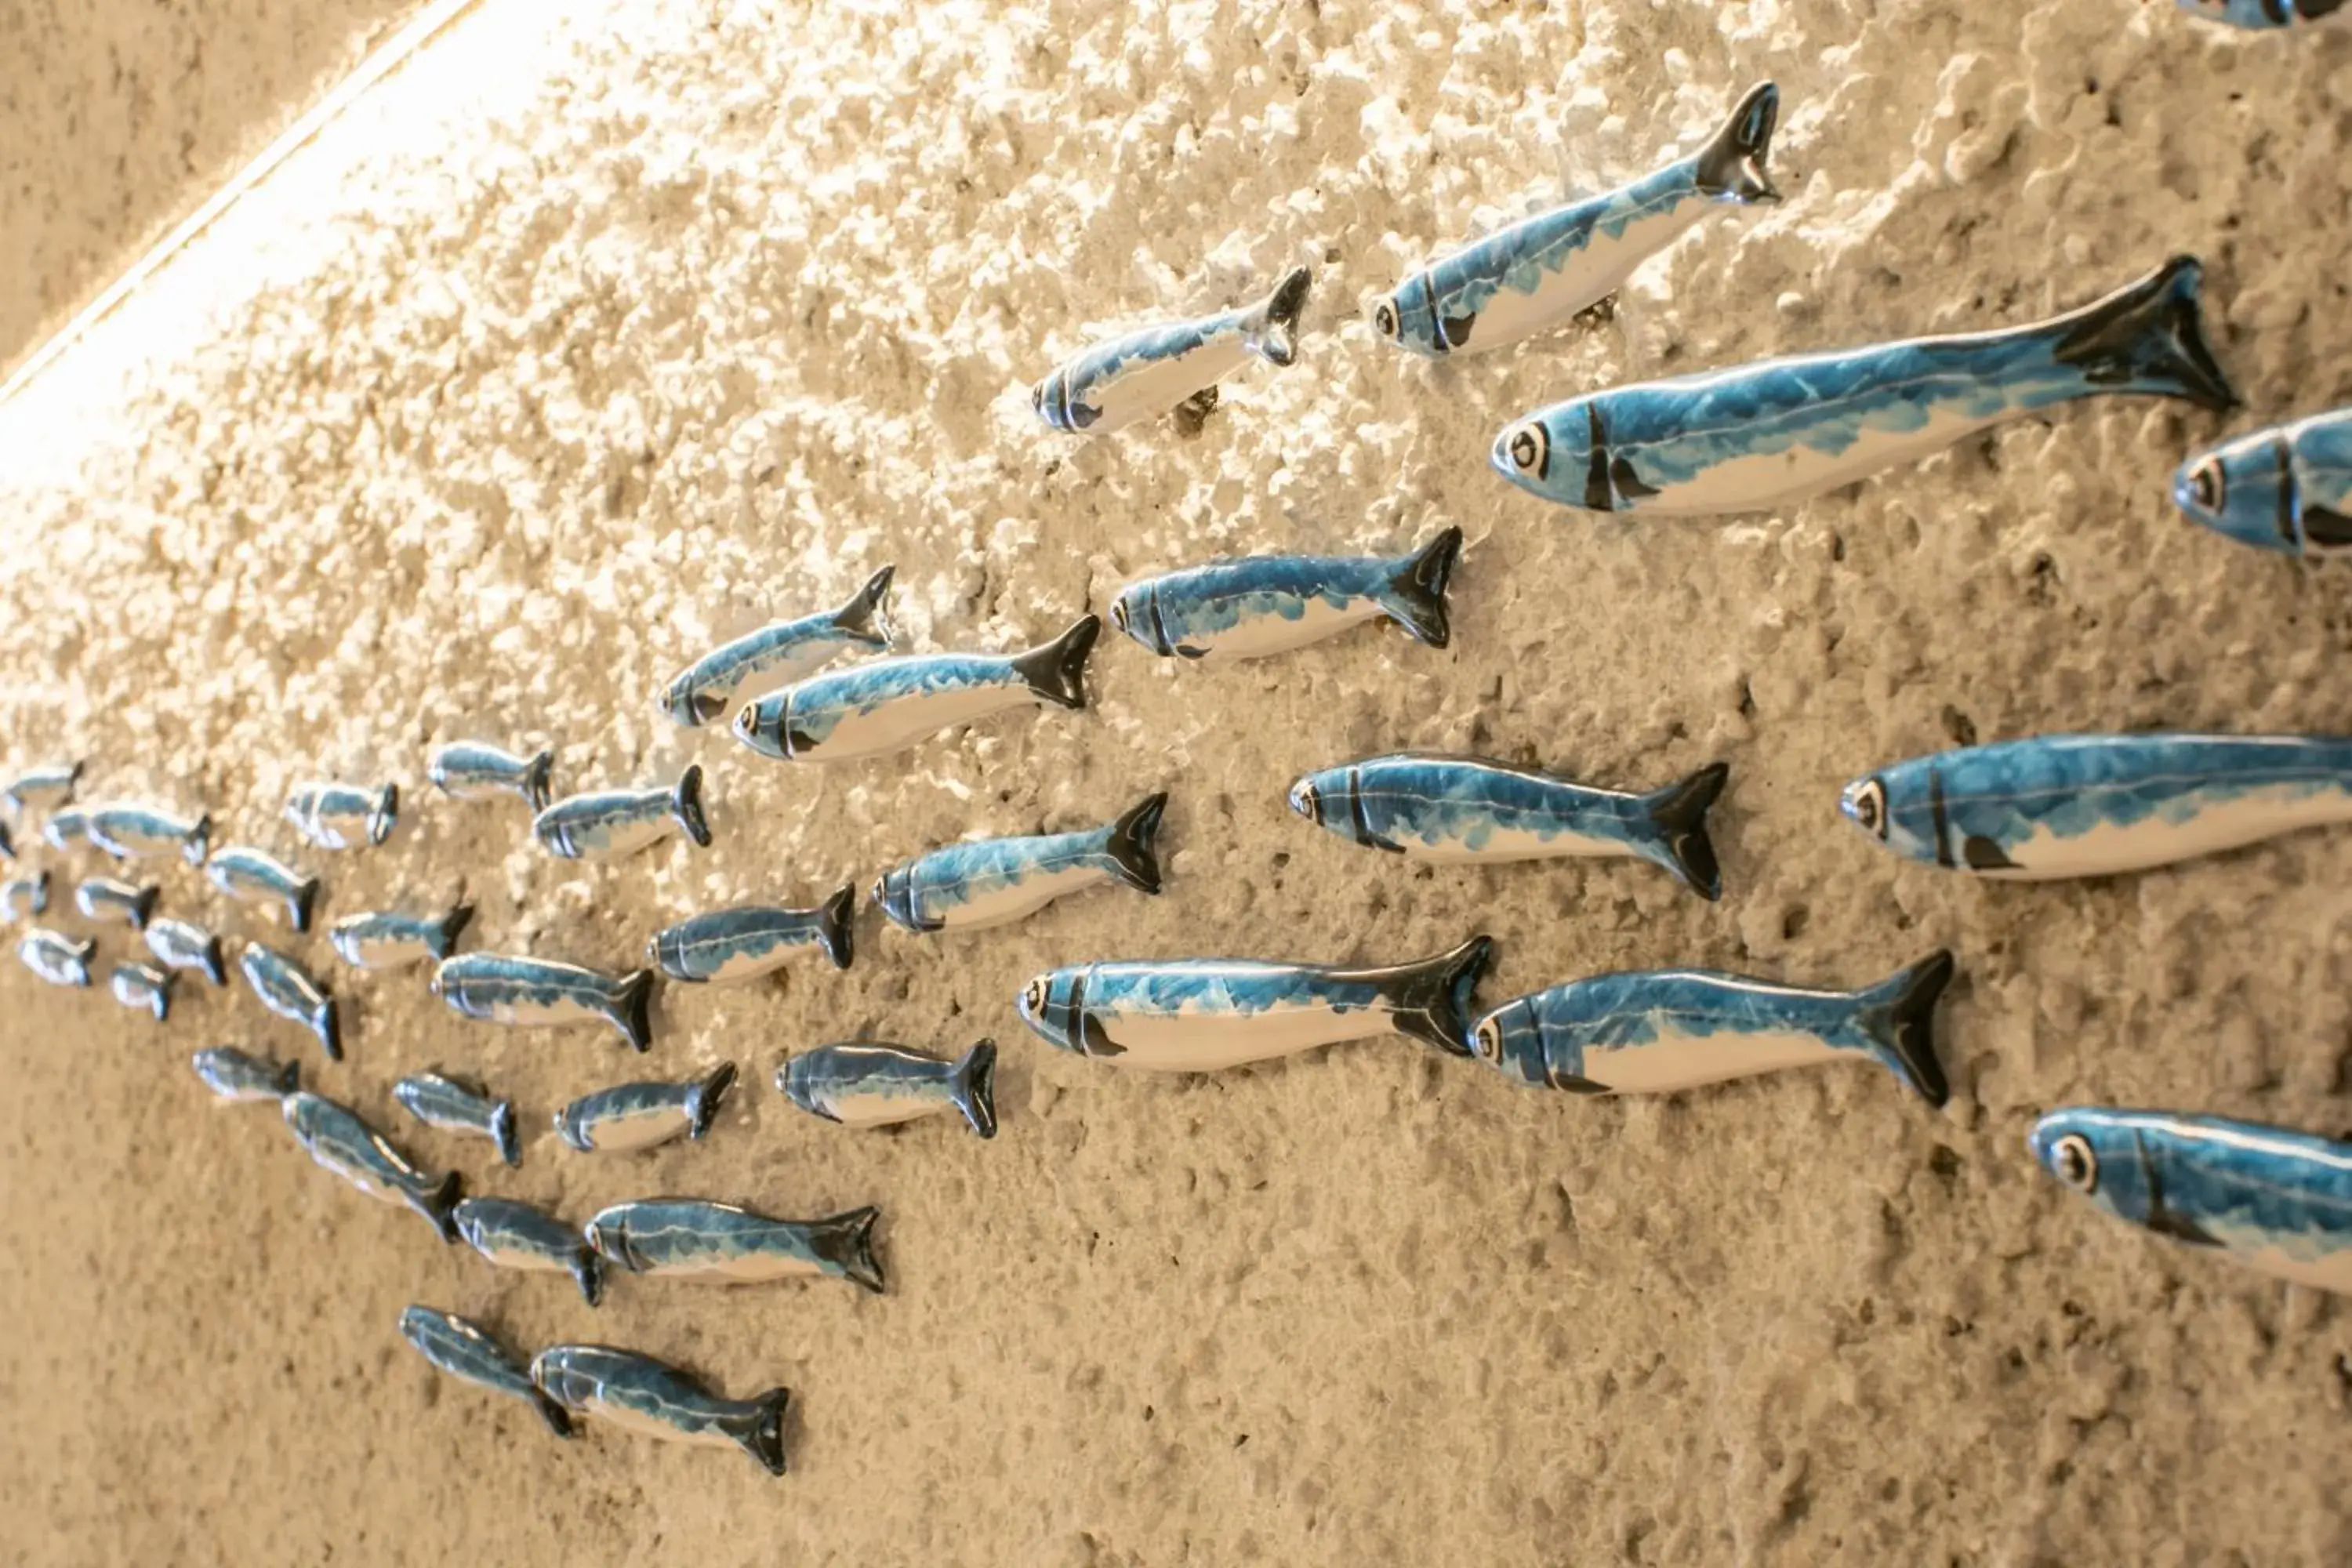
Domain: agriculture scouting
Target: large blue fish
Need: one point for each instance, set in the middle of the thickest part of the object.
(516, 1236)
(688, 1238)
(986, 882)
(704, 692)
(465, 1350)
(2092, 806)
(389, 940)
(177, 944)
(1263, 604)
(2272, 1200)
(633, 1116)
(1201, 1014)
(539, 992)
(47, 786)
(653, 1397)
(1158, 370)
(1658, 1032)
(2288, 488)
(340, 1141)
(56, 957)
(289, 990)
(109, 900)
(745, 943)
(461, 1105)
(1542, 270)
(236, 1075)
(132, 831)
(887, 704)
(25, 898)
(476, 770)
(143, 988)
(860, 1083)
(343, 816)
(2264, 16)
(1430, 807)
(254, 875)
(617, 822)
(1773, 432)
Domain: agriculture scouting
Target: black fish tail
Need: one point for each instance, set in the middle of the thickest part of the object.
(847, 1241)
(1899, 1013)
(536, 779)
(762, 1430)
(331, 1031)
(1431, 1000)
(973, 1084)
(441, 1207)
(1131, 847)
(1273, 327)
(504, 1133)
(867, 617)
(1732, 164)
(1057, 670)
(588, 1273)
(558, 1419)
(200, 841)
(2149, 337)
(1679, 812)
(631, 1009)
(215, 964)
(686, 804)
(453, 925)
(833, 926)
(289, 1079)
(1416, 591)
(386, 815)
(142, 907)
(702, 1106)
(304, 895)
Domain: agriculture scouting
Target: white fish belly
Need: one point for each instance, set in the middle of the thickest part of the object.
(1204, 1042)
(901, 723)
(358, 1178)
(625, 838)
(1782, 479)
(636, 1421)
(883, 1110)
(1515, 843)
(646, 1130)
(1677, 1061)
(999, 905)
(1262, 634)
(1589, 276)
(1148, 390)
(753, 1269)
(515, 1258)
(543, 1014)
(741, 965)
(383, 954)
(2331, 1272)
(2111, 847)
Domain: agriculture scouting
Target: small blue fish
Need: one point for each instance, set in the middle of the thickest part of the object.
(539, 992)
(633, 1116)
(1771, 434)
(110, 901)
(176, 944)
(1467, 809)
(389, 940)
(47, 786)
(688, 1239)
(653, 1397)
(746, 943)
(2093, 806)
(2288, 488)
(2272, 1200)
(704, 692)
(234, 1075)
(68, 828)
(516, 1236)
(887, 704)
(2263, 16)
(988, 881)
(24, 898)
(130, 832)
(1673, 1029)
(251, 876)
(617, 822)
(145, 989)
(466, 1350)
(1539, 272)
(286, 989)
(860, 1084)
(343, 816)
(56, 957)
(458, 1105)
(476, 770)
(1158, 369)
(340, 1141)
(1203, 1014)
(1263, 604)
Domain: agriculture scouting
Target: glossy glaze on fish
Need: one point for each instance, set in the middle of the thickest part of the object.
(2288, 488)
(143, 989)
(389, 940)
(611, 823)
(234, 1075)
(343, 816)
(708, 691)
(633, 1116)
(516, 1236)
(67, 828)
(752, 940)
(1262, 605)
(461, 1105)
(255, 877)
(289, 990)
(861, 1083)
(476, 770)
(1144, 374)
(340, 1141)
(653, 1397)
(178, 944)
(539, 992)
(25, 898)
(43, 788)
(990, 881)
(56, 957)
(132, 831)
(110, 901)
(466, 1350)
(688, 1238)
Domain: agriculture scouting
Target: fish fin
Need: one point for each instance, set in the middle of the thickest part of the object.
(200, 841)
(630, 1009)
(835, 929)
(536, 779)
(289, 1079)
(867, 617)
(1274, 326)
(1732, 164)
(708, 1096)
(453, 925)
(1191, 415)
(331, 1031)
(1057, 670)
(588, 1273)
(386, 815)
(441, 1208)
(847, 1241)
(558, 1419)
(1429, 999)
(1416, 592)
(1981, 854)
(215, 963)
(142, 907)
(1679, 812)
(2148, 337)
(686, 804)
(504, 1133)
(975, 1085)
(306, 894)
(762, 1436)
(1457, 328)
(2325, 528)
(1900, 1013)
(1132, 859)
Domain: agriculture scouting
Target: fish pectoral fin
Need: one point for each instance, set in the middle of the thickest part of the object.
(1626, 482)
(1095, 1040)
(1186, 650)
(1457, 328)
(2181, 1229)
(1574, 1084)
(1192, 413)
(2325, 528)
(1981, 854)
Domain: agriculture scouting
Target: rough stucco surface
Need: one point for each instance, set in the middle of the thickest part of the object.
(666, 323)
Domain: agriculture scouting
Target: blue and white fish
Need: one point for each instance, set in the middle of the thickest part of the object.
(340, 1140)
(2265, 15)
(617, 822)
(24, 898)
(1262, 605)
(1158, 369)
(56, 957)
(2287, 488)
(1539, 272)
(653, 1397)
(343, 816)
(1199, 1015)
(704, 692)
(2092, 806)
(1462, 809)
(67, 828)
(633, 1116)
(252, 876)
(516, 1236)
(234, 1075)
(745, 943)
(460, 1105)
(177, 944)
(888, 704)
(143, 988)
(393, 941)
(110, 900)
(1766, 435)
(286, 989)
(988, 881)
(688, 1238)
(132, 831)
(861, 1084)
(1658, 1032)
(466, 1350)
(47, 786)
(539, 992)
(476, 770)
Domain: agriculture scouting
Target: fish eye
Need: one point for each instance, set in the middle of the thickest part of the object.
(747, 719)
(1305, 802)
(2074, 1163)
(1527, 447)
(1119, 614)
(1037, 398)
(1032, 999)
(1870, 808)
(1490, 1040)
(2207, 485)
(1384, 317)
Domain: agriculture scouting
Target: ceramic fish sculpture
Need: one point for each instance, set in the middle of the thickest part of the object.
(466, 1350)
(251, 876)
(177, 944)
(130, 832)
(2093, 806)
(539, 992)
(616, 822)
(460, 1105)
(1161, 370)
(1467, 809)
(1263, 604)
(45, 787)
(1539, 272)
(1658, 1032)
(24, 898)
(1771, 434)
(343, 816)
(56, 957)
(1203, 1014)
(653, 1397)
(988, 881)
(143, 988)
(2288, 488)
(393, 941)
(234, 1075)
(887, 704)
(67, 828)
(704, 692)
(516, 1236)
(633, 1116)
(2272, 1200)
(476, 770)
(688, 1239)
(286, 989)
(111, 901)
(861, 1084)
(340, 1141)
(2264, 16)
(745, 943)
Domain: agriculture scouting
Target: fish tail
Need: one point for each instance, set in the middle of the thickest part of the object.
(304, 894)
(588, 1273)
(630, 1012)
(505, 1133)
(452, 926)
(761, 1432)
(441, 1208)
(200, 841)
(686, 804)
(289, 1079)
(558, 1419)
(1057, 671)
(143, 906)
(1899, 1015)
(536, 779)
(974, 1087)
(847, 1241)
(1679, 814)
(1273, 327)
(1130, 846)
(41, 892)
(702, 1107)
(331, 1031)
(163, 997)
(1431, 1000)
(867, 617)
(833, 927)
(1415, 596)
(215, 964)
(1732, 164)
(2148, 337)
(386, 815)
